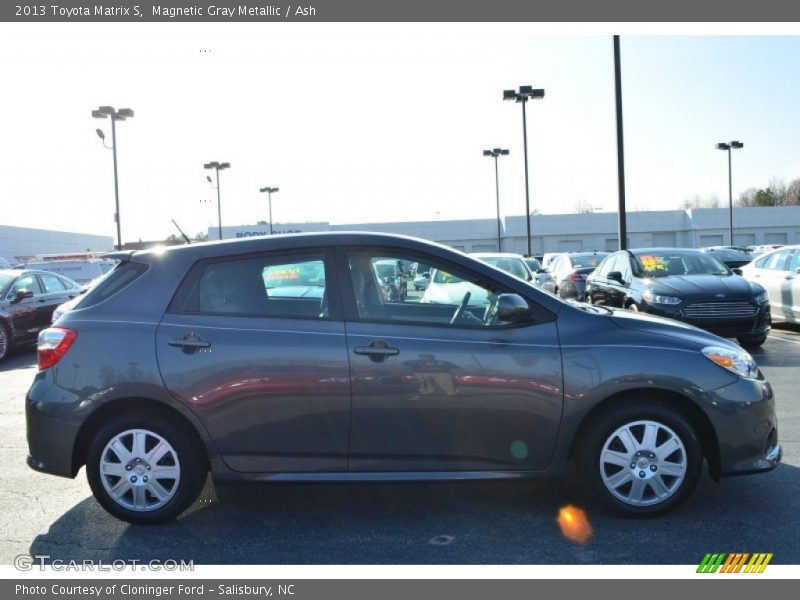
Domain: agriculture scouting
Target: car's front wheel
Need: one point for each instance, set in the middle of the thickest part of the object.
(5, 341)
(145, 468)
(640, 460)
(753, 342)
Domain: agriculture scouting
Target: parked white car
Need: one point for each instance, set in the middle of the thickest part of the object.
(517, 266)
(778, 272)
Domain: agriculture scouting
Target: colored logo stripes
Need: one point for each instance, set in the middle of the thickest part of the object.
(735, 562)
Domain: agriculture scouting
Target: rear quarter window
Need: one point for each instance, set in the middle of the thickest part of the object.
(119, 278)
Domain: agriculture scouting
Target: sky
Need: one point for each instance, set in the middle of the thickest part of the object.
(375, 122)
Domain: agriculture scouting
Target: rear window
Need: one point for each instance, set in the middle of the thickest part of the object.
(112, 282)
(582, 261)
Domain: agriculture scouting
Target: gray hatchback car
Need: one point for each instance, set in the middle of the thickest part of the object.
(282, 359)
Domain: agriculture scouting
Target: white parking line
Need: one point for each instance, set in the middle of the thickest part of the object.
(783, 339)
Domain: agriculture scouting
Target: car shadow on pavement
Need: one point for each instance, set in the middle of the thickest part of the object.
(443, 523)
(19, 358)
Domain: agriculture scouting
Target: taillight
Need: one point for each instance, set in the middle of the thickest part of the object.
(576, 277)
(53, 345)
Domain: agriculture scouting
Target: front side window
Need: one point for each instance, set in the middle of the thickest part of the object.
(453, 296)
(28, 282)
(775, 261)
(279, 287)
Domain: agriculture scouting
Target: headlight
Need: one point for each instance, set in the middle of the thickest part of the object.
(736, 361)
(659, 299)
(762, 297)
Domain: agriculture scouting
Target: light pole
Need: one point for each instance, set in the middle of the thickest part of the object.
(217, 166)
(122, 114)
(730, 146)
(494, 153)
(525, 92)
(270, 191)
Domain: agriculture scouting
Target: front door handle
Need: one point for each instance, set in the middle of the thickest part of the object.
(377, 351)
(189, 343)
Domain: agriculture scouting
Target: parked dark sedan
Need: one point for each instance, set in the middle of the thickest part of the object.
(733, 258)
(688, 285)
(27, 300)
(184, 361)
(569, 272)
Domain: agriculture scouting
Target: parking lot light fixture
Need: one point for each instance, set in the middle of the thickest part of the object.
(525, 93)
(269, 191)
(495, 153)
(728, 146)
(217, 166)
(122, 114)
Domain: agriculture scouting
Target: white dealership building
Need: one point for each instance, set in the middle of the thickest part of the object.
(692, 228)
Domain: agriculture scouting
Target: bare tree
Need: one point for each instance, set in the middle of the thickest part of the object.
(583, 207)
(699, 202)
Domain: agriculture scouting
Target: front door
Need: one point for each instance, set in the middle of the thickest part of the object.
(438, 383)
(253, 345)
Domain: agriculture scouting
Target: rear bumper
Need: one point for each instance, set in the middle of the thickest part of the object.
(53, 416)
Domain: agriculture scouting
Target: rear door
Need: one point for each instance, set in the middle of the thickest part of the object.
(255, 345)
(56, 291)
(440, 385)
(793, 313)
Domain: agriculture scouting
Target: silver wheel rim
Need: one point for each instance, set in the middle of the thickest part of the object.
(3, 341)
(140, 470)
(643, 463)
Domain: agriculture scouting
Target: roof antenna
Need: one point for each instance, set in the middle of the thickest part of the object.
(186, 237)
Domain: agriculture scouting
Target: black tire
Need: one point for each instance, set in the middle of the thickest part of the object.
(753, 342)
(602, 428)
(5, 335)
(191, 458)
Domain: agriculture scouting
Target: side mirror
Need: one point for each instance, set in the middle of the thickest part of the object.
(616, 276)
(22, 295)
(512, 308)
(737, 270)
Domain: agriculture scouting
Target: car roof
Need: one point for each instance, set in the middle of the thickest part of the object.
(282, 241)
(496, 255)
(638, 251)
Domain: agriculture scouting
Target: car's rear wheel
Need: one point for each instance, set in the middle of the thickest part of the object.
(5, 341)
(640, 460)
(145, 468)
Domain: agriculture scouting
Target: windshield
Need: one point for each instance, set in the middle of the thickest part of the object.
(5, 279)
(445, 277)
(515, 266)
(582, 261)
(664, 264)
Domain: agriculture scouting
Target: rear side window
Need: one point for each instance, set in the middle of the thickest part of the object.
(114, 281)
(52, 284)
(287, 286)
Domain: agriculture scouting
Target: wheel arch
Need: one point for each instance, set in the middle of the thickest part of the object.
(96, 419)
(685, 405)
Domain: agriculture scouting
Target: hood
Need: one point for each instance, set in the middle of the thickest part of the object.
(688, 286)
(647, 323)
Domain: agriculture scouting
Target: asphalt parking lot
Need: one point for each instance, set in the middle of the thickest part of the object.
(498, 523)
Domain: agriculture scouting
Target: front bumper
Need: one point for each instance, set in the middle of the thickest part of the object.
(753, 326)
(743, 417)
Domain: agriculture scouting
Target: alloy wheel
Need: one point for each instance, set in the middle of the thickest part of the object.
(140, 470)
(643, 463)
